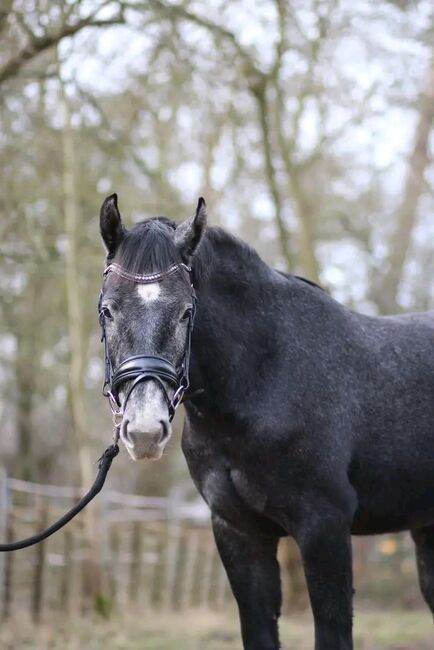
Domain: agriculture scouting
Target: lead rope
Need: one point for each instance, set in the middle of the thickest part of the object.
(104, 464)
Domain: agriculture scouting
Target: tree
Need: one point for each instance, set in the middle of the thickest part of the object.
(26, 33)
(387, 291)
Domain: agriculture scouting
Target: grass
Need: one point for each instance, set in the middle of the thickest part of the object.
(199, 630)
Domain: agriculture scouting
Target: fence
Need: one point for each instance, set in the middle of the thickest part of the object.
(154, 553)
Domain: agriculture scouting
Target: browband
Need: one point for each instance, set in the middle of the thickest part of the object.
(145, 278)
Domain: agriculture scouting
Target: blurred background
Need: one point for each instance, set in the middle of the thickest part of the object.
(308, 127)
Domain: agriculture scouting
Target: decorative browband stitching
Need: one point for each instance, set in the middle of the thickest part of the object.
(145, 278)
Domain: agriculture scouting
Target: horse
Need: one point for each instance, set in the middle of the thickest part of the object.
(303, 418)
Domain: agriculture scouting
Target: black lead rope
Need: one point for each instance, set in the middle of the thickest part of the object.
(104, 465)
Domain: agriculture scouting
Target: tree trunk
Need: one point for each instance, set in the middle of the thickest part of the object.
(26, 370)
(259, 92)
(25, 387)
(387, 292)
(306, 242)
(92, 569)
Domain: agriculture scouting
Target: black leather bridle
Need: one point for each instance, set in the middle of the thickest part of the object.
(142, 367)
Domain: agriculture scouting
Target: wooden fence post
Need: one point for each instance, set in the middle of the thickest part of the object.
(136, 563)
(114, 564)
(205, 583)
(3, 525)
(38, 576)
(173, 533)
(8, 573)
(147, 586)
(66, 578)
(222, 587)
(191, 555)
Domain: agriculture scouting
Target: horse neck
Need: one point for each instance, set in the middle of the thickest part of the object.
(254, 323)
(232, 290)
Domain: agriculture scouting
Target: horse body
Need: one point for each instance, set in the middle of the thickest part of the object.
(392, 467)
(304, 419)
(304, 390)
(312, 419)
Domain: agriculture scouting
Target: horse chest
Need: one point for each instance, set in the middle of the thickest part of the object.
(225, 486)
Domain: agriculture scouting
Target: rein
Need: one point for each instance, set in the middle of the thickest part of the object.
(135, 369)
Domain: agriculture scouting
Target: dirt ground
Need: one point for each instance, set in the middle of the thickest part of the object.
(200, 630)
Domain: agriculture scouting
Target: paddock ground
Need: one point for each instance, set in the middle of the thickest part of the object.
(198, 630)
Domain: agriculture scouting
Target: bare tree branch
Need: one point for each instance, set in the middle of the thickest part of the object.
(260, 93)
(257, 83)
(307, 256)
(38, 44)
(177, 11)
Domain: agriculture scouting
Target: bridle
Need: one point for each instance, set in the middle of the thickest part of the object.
(141, 367)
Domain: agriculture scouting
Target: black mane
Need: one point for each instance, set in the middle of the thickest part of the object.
(229, 248)
(148, 247)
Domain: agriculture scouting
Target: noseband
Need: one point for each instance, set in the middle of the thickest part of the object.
(142, 367)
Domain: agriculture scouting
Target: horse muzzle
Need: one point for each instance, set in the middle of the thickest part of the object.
(145, 428)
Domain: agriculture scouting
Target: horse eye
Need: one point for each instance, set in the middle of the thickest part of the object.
(186, 314)
(105, 313)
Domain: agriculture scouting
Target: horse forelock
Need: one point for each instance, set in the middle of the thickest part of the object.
(148, 247)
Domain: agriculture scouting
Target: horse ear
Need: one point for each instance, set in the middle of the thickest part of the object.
(110, 222)
(189, 233)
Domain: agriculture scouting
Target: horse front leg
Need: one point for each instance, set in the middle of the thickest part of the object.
(253, 572)
(325, 545)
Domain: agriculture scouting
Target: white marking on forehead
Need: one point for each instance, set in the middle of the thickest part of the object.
(148, 292)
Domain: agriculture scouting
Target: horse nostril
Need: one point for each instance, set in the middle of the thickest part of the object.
(125, 433)
(164, 431)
